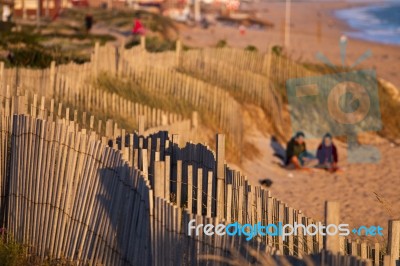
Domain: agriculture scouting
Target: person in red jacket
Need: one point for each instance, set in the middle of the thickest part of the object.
(138, 28)
(327, 154)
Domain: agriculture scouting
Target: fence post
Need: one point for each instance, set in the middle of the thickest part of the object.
(363, 250)
(387, 260)
(175, 146)
(267, 62)
(342, 241)
(159, 179)
(143, 42)
(220, 174)
(52, 79)
(143, 162)
(20, 104)
(199, 192)
(376, 254)
(141, 124)
(178, 51)
(197, 15)
(190, 184)
(1, 77)
(209, 194)
(394, 241)
(109, 129)
(195, 120)
(179, 183)
(167, 178)
(95, 62)
(332, 210)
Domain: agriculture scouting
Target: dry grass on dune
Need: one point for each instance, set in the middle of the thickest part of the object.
(135, 93)
(390, 112)
(132, 91)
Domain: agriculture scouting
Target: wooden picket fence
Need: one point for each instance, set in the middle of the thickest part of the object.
(83, 96)
(210, 80)
(245, 83)
(71, 84)
(126, 199)
(91, 192)
(58, 184)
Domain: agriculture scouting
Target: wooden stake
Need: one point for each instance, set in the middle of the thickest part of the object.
(332, 212)
(394, 241)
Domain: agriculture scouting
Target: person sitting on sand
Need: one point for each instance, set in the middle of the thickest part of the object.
(296, 152)
(327, 154)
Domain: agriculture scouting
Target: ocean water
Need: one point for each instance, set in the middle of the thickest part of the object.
(375, 22)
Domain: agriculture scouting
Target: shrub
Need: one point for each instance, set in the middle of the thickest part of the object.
(221, 44)
(251, 48)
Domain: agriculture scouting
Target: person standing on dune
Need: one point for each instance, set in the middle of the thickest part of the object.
(88, 22)
(138, 28)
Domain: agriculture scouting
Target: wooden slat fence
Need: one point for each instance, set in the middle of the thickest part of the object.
(218, 102)
(86, 97)
(69, 83)
(223, 67)
(71, 193)
(187, 177)
(242, 82)
(116, 198)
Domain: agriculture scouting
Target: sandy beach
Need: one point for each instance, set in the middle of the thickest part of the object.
(366, 191)
(314, 28)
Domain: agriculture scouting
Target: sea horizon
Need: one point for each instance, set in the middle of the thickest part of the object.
(375, 22)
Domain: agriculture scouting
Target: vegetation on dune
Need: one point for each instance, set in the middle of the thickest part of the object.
(12, 253)
(221, 44)
(123, 19)
(159, 29)
(135, 93)
(65, 39)
(154, 44)
(40, 57)
(27, 47)
(251, 48)
(124, 122)
(389, 115)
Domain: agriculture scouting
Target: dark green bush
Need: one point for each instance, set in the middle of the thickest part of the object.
(251, 48)
(221, 44)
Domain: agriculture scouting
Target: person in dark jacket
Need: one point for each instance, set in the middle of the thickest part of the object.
(88, 22)
(327, 154)
(296, 152)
